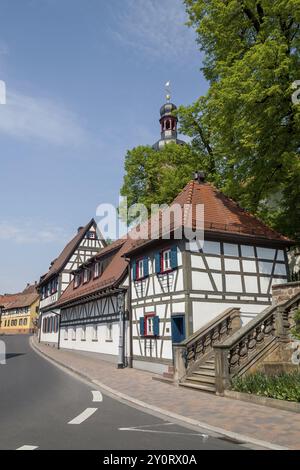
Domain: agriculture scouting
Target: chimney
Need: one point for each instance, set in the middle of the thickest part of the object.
(199, 176)
(79, 228)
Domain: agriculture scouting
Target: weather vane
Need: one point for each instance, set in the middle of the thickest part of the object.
(168, 91)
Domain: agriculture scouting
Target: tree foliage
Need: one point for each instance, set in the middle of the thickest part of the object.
(245, 132)
(153, 177)
(247, 125)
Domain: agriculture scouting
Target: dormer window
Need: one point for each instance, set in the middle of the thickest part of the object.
(77, 280)
(97, 269)
(86, 276)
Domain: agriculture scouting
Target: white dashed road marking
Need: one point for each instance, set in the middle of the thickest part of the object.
(83, 416)
(26, 447)
(139, 429)
(97, 396)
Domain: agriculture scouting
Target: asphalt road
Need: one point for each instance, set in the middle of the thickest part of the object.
(38, 401)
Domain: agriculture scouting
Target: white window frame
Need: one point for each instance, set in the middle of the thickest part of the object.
(166, 260)
(74, 334)
(83, 333)
(66, 334)
(77, 280)
(109, 327)
(85, 276)
(95, 333)
(140, 268)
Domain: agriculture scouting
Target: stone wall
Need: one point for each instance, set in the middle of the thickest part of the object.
(283, 292)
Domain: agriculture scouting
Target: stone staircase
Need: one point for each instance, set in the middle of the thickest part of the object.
(223, 349)
(204, 377)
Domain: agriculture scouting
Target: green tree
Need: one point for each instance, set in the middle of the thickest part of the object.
(153, 177)
(247, 125)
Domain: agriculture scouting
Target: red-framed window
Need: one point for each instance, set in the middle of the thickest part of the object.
(149, 325)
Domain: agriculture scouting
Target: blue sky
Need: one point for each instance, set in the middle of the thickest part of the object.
(85, 81)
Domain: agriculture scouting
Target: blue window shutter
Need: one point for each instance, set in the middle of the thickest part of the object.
(142, 326)
(146, 266)
(174, 257)
(157, 262)
(156, 326)
(134, 270)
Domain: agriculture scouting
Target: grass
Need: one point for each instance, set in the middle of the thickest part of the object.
(285, 386)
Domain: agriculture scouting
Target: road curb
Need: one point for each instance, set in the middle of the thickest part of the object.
(161, 411)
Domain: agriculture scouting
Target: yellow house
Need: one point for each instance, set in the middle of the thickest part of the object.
(19, 312)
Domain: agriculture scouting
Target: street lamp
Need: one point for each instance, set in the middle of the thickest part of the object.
(121, 305)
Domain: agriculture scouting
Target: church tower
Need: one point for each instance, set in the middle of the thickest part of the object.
(168, 123)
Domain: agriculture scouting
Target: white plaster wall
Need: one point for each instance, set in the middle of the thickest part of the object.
(101, 346)
(203, 312)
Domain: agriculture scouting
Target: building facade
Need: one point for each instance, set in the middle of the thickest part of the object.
(177, 286)
(94, 308)
(87, 242)
(19, 312)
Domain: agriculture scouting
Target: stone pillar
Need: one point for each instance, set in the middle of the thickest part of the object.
(222, 369)
(179, 363)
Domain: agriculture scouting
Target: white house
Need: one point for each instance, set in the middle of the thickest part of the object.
(86, 243)
(91, 306)
(177, 286)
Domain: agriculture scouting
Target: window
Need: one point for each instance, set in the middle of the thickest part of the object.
(97, 270)
(25, 321)
(166, 260)
(20, 321)
(91, 235)
(86, 276)
(77, 280)
(140, 269)
(109, 332)
(95, 333)
(83, 333)
(149, 325)
(66, 334)
(74, 334)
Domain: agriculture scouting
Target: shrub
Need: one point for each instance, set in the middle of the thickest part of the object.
(296, 330)
(282, 387)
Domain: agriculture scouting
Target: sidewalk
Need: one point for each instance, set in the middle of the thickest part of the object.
(258, 423)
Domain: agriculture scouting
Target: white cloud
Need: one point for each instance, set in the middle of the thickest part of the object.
(24, 233)
(156, 28)
(31, 118)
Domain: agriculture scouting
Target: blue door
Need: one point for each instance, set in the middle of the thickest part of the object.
(178, 328)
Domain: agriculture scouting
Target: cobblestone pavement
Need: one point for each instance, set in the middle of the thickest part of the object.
(258, 422)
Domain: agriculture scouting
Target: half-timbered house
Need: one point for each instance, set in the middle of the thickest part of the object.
(178, 285)
(90, 306)
(86, 243)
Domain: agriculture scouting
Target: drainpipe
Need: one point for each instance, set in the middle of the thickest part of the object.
(121, 304)
(130, 358)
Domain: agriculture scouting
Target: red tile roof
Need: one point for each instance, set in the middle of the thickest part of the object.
(58, 264)
(111, 277)
(221, 215)
(22, 299)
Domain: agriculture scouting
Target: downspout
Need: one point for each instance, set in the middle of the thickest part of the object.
(130, 357)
